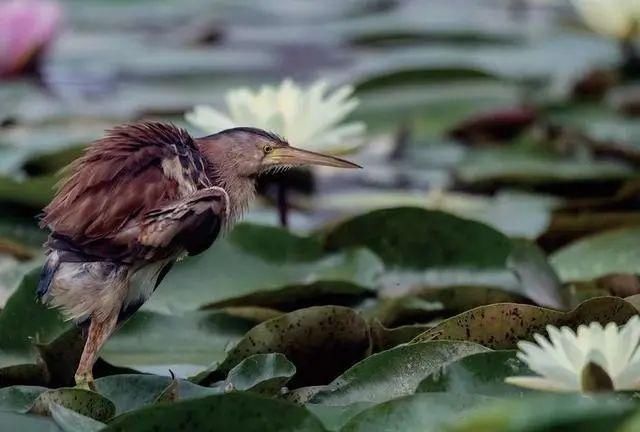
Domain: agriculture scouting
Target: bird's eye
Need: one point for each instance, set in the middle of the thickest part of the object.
(267, 149)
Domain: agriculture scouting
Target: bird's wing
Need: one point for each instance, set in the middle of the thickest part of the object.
(119, 179)
(192, 223)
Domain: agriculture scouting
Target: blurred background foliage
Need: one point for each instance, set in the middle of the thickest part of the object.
(501, 167)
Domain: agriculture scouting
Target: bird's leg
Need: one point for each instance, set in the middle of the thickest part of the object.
(99, 332)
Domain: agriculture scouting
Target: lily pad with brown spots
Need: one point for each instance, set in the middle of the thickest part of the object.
(85, 402)
(321, 342)
(502, 325)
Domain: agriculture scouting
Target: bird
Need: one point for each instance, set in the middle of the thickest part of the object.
(137, 200)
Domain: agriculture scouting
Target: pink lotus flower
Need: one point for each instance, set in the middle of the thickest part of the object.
(27, 27)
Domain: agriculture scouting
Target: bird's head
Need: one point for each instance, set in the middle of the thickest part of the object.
(249, 152)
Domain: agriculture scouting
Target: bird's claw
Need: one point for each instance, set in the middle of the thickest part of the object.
(85, 381)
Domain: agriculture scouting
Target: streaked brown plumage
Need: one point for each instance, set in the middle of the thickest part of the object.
(137, 200)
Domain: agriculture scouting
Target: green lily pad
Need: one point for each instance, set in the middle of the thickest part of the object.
(261, 373)
(538, 280)
(540, 413)
(169, 393)
(631, 425)
(334, 417)
(264, 266)
(243, 411)
(386, 338)
(516, 214)
(428, 304)
(518, 166)
(17, 334)
(132, 392)
(294, 297)
(18, 354)
(419, 412)
(45, 149)
(416, 238)
(85, 402)
(482, 373)
(186, 344)
(432, 109)
(19, 398)
(599, 255)
(71, 421)
(320, 341)
(501, 326)
(10, 421)
(33, 193)
(393, 373)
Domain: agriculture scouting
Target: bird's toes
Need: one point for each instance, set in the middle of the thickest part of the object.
(85, 381)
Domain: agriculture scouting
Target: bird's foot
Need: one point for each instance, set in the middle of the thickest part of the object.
(85, 381)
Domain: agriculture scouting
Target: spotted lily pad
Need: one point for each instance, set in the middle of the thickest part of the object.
(320, 341)
(87, 403)
(502, 325)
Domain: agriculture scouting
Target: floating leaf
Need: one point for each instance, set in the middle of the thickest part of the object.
(599, 255)
(537, 278)
(10, 421)
(71, 421)
(483, 373)
(320, 341)
(334, 417)
(261, 373)
(34, 193)
(417, 238)
(19, 398)
(17, 334)
(243, 411)
(186, 343)
(501, 326)
(517, 166)
(547, 412)
(393, 373)
(169, 393)
(87, 403)
(386, 338)
(247, 270)
(132, 392)
(419, 412)
(18, 356)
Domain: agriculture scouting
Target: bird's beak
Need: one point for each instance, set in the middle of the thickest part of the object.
(295, 157)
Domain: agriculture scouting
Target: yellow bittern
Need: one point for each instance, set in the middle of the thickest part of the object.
(139, 199)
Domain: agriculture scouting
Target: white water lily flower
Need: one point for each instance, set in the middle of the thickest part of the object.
(561, 360)
(616, 18)
(308, 117)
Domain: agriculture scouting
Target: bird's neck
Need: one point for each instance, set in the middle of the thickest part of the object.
(240, 189)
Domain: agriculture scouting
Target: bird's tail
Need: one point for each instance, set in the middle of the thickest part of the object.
(46, 276)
